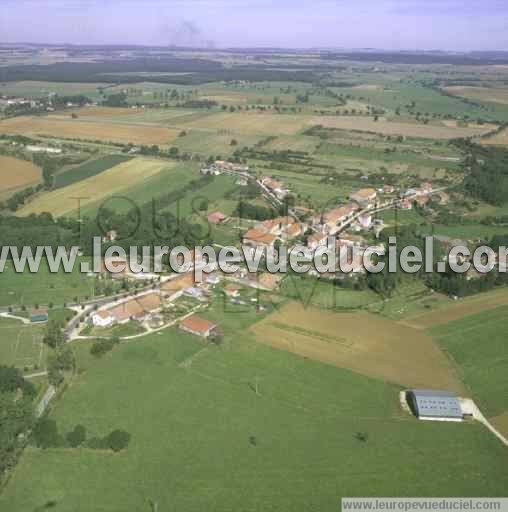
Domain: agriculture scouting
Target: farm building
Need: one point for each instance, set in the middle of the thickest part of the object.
(217, 218)
(365, 197)
(197, 325)
(39, 315)
(436, 405)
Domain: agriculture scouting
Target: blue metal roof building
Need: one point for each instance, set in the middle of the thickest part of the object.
(431, 404)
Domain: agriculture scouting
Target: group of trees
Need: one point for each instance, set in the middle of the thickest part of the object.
(16, 416)
(46, 435)
(487, 173)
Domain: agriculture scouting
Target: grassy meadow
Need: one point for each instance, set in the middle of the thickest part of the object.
(291, 446)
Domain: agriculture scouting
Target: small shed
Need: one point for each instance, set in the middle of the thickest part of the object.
(436, 405)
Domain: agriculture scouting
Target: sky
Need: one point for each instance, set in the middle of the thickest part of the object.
(461, 25)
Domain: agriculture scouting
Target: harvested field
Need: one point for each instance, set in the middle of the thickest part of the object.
(367, 124)
(500, 139)
(89, 130)
(108, 183)
(480, 93)
(250, 123)
(501, 423)
(458, 310)
(16, 174)
(361, 342)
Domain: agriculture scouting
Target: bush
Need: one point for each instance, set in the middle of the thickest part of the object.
(46, 434)
(77, 436)
(118, 440)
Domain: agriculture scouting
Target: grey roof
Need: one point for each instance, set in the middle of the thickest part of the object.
(436, 403)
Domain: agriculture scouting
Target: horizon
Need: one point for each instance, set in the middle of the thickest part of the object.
(386, 25)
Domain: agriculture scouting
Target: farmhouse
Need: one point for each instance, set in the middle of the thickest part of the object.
(435, 405)
(139, 309)
(198, 326)
(230, 166)
(276, 187)
(232, 290)
(365, 197)
(332, 219)
(217, 218)
(255, 238)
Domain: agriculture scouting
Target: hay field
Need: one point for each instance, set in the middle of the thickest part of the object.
(361, 342)
(263, 124)
(480, 93)
(90, 130)
(111, 182)
(458, 310)
(500, 139)
(16, 174)
(367, 124)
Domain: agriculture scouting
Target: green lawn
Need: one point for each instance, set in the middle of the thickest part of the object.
(479, 346)
(202, 439)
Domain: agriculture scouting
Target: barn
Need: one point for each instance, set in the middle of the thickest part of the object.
(436, 405)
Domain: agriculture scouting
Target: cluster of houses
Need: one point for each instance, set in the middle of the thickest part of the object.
(222, 166)
(265, 234)
(275, 187)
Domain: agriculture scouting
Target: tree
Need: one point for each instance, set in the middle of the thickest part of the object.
(46, 434)
(53, 334)
(118, 440)
(77, 436)
(234, 142)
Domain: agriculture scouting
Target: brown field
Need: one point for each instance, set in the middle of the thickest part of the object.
(500, 139)
(362, 342)
(501, 423)
(97, 112)
(367, 124)
(263, 124)
(480, 93)
(457, 310)
(121, 177)
(16, 174)
(80, 129)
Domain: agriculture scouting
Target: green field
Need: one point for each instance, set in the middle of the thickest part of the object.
(21, 345)
(479, 347)
(43, 287)
(325, 294)
(88, 169)
(205, 440)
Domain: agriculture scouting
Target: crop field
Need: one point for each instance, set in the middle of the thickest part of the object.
(385, 127)
(458, 310)
(16, 174)
(113, 181)
(289, 447)
(250, 123)
(21, 345)
(391, 96)
(88, 170)
(478, 345)
(500, 139)
(361, 342)
(88, 130)
(43, 287)
(496, 95)
(36, 89)
(170, 178)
